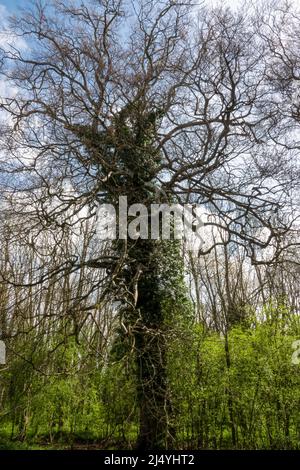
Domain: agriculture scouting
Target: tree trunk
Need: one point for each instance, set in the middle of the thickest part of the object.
(152, 386)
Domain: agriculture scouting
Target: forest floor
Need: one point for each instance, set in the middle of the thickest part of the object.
(61, 444)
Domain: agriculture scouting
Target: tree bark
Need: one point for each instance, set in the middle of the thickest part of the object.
(151, 361)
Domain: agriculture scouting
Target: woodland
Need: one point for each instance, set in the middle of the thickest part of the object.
(141, 343)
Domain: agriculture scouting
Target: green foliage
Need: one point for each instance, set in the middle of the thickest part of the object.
(261, 386)
(68, 396)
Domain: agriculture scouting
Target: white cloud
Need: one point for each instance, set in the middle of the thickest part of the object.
(7, 37)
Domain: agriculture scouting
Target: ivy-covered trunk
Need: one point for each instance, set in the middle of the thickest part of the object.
(151, 357)
(160, 303)
(152, 277)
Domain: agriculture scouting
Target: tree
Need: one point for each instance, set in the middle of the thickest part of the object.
(157, 102)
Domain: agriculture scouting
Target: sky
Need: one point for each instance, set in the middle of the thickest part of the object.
(12, 5)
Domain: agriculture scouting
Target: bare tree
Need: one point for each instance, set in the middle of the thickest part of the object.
(155, 101)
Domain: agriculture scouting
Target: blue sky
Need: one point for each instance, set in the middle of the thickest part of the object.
(11, 5)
